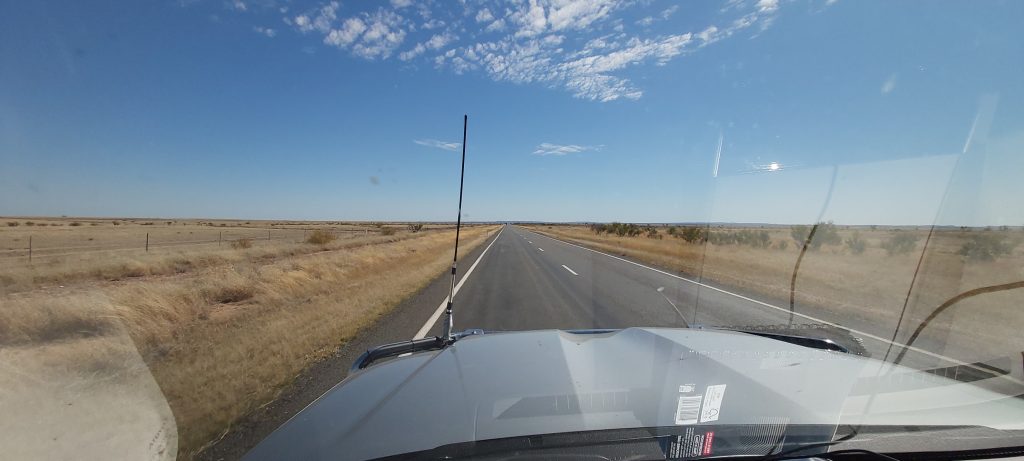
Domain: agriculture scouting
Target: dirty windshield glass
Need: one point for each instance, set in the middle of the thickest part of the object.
(685, 217)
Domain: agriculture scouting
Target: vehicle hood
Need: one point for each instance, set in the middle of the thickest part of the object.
(500, 385)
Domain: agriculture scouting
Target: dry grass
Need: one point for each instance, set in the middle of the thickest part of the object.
(54, 266)
(241, 243)
(320, 237)
(869, 288)
(222, 339)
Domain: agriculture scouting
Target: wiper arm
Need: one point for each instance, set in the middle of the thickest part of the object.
(806, 341)
(407, 347)
(396, 349)
(800, 340)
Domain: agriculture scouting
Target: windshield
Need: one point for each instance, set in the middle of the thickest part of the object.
(209, 210)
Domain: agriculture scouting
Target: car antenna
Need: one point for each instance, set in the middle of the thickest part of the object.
(449, 321)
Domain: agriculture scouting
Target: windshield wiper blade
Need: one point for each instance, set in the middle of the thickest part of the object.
(396, 349)
(800, 340)
(407, 347)
(806, 341)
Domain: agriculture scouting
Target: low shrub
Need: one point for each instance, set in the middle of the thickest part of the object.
(900, 244)
(824, 233)
(856, 244)
(241, 243)
(320, 237)
(986, 247)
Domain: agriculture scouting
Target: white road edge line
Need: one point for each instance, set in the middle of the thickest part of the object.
(440, 309)
(762, 303)
(570, 270)
(661, 290)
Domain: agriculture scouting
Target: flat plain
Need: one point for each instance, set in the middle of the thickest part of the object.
(215, 314)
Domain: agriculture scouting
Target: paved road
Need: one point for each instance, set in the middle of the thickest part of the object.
(528, 281)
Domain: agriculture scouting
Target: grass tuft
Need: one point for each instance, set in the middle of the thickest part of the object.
(320, 237)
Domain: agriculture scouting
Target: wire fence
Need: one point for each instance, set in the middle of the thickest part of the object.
(48, 246)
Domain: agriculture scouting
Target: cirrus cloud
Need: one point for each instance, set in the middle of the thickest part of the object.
(580, 46)
(547, 148)
(446, 145)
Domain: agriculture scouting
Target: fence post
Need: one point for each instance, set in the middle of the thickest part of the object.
(30, 249)
(220, 237)
(268, 234)
(147, 241)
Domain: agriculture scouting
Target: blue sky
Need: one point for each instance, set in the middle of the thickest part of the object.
(781, 111)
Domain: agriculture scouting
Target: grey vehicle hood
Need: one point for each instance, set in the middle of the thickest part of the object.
(539, 382)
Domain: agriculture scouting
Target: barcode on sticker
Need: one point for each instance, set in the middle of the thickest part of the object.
(688, 409)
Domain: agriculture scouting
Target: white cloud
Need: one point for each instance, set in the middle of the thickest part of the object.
(452, 146)
(440, 40)
(370, 35)
(767, 6)
(349, 32)
(328, 13)
(319, 20)
(484, 15)
(553, 40)
(302, 22)
(433, 24)
(548, 148)
(889, 84)
(460, 65)
(580, 46)
(239, 5)
(265, 31)
(578, 14)
(496, 26)
(531, 19)
(587, 73)
(588, 76)
(410, 54)
(665, 14)
(708, 35)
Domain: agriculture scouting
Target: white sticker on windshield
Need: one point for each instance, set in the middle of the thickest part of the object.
(712, 403)
(688, 409)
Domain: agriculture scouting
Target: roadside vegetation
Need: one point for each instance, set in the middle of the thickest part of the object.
(230, 328)
(116, 250)
(988, 247)
(865, 272)
(320, 237)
